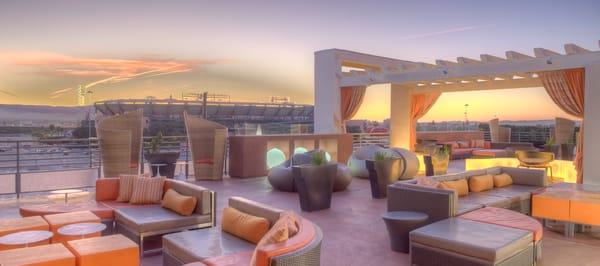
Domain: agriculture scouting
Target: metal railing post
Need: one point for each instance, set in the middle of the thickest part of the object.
(18, 173)
(187, 158)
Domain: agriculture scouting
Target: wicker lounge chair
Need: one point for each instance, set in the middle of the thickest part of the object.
(116, 134)
(207, 142)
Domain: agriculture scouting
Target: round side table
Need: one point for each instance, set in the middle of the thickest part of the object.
(25, 238)
(157, 165)
(182, 165)
(399, 224)
(66, 192)
(81, 229)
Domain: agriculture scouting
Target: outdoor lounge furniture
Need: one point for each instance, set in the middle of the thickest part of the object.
(512, 219)
(399, 224)
(13, 225)
(440, 203)
(56, 221)
(121, 142)
(140, 221)
(207, 141)
(106, 250)
(459, 242)
(103, 211)
(213, 245)
(53, 254)
(535, 159)
(281, 177)
(357, 161)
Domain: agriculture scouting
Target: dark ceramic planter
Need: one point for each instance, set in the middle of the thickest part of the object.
(167, 158)
(553, 149)
(381, 174)
(314, 185)
(566, 151)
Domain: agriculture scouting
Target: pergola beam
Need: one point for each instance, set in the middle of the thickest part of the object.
(485, 85)
(574, 49)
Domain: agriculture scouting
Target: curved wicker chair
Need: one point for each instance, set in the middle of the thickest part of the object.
(282, 178)
(207, 142)
(133, 124)
(535, 159)
(356, 162)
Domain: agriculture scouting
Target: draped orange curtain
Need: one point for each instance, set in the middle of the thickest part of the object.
(566, 88)
(351, 99)
(419, 106)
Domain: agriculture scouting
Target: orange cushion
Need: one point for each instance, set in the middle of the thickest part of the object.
(460, 186)
(277, 234)
(243, 225)
(147, 190)
(551, 205)
(45, 255)
(105, 250)
(56, 221)
(107, 189)
(178, 203)
(481, 183)
(14, 225)
(502, 180)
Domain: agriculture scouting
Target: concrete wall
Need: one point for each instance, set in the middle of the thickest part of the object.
(591, 126)
(327, 93)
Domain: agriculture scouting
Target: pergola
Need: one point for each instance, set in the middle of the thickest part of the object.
(338, 70)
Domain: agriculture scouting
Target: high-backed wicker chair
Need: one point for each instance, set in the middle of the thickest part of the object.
(207, 142)
(564, 130)
(116, 151)
(535, 159)
(131, 123)
(498, 133)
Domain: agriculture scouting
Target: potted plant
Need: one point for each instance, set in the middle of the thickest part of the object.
(384, 169)
(156, 155)
(440, 158)
(314, 182)
(550, 146)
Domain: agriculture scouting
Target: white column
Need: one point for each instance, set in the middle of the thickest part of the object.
(400, 116)
(591, 126)
(327, 93)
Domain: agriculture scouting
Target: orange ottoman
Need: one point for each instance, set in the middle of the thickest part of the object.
(585, 209)
(105, 250)
(9, 226)
(61, 219)
(553, 204)
(46, 255)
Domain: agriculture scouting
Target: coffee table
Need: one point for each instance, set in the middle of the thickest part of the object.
(81, 229)
(25, 238)
(66, 192)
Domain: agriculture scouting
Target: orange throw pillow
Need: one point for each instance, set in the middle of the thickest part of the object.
(147, 190)
(460, 186)
(502, 180)
(184, 205)
(277, 234)
(243, 225)
(481, 183)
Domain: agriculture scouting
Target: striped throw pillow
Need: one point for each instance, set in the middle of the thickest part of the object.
(147, 190)
(126, 187)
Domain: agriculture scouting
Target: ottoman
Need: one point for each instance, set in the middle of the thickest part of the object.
(9, 226)
(399, 224)
(456, 241)
(105, 250)
(53, 254)
(61, 219)
(510, 218)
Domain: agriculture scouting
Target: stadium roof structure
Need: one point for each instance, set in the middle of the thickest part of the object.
(246, 111)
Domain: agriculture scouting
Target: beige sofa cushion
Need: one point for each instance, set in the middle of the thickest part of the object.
(481, 183)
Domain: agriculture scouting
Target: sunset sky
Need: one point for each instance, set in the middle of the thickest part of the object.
(255, 49)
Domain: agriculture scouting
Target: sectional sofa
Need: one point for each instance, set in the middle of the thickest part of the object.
(440, 204)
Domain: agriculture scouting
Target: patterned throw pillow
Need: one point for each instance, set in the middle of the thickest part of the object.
(126, 187)
(278, 233)
(147, 190)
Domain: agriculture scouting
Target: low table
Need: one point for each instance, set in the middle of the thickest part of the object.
(25, 238)
(66, 192)
(81, 229)
(399, 224)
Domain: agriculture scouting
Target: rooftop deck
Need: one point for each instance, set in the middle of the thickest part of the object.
(354, 233)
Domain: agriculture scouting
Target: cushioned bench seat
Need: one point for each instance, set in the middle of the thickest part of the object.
(456, 241)
(153, 218)
(199, 245)
(53, 254)
(485, 200)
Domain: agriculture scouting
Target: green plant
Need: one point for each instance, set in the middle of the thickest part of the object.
(442, 150)
(155, 143)
(318, 158)
(549, 142)
(382, 155)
